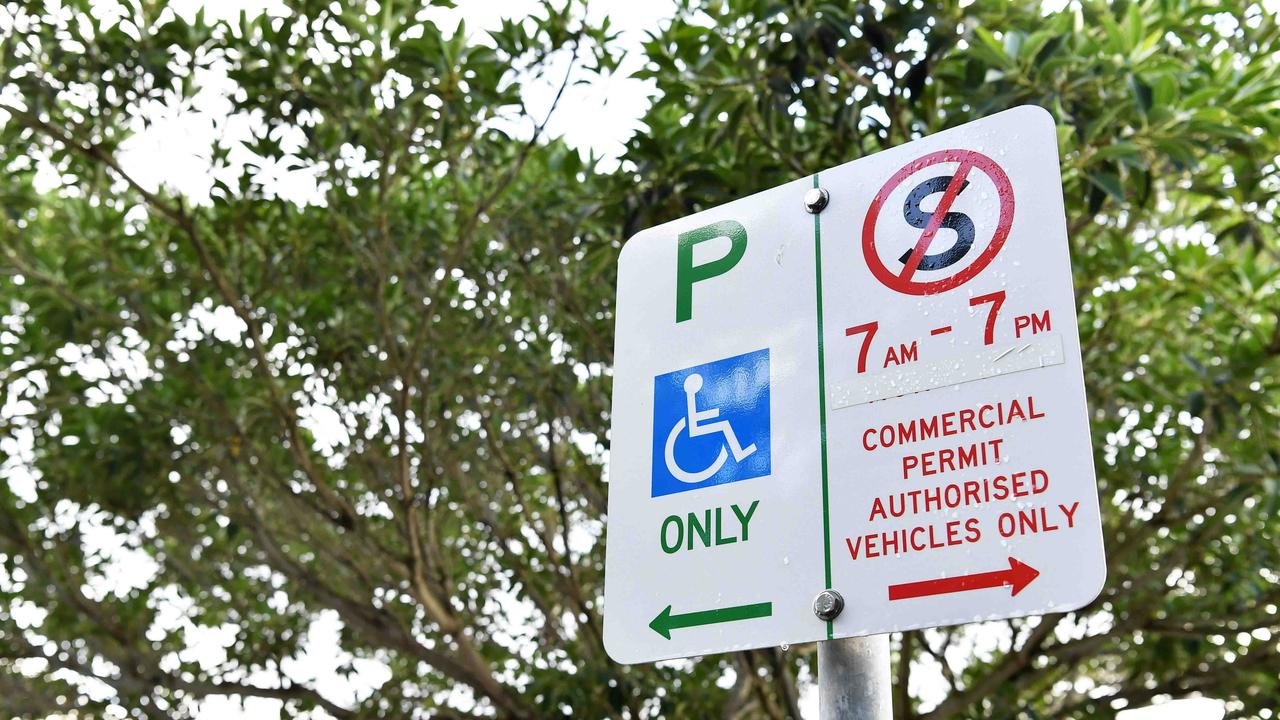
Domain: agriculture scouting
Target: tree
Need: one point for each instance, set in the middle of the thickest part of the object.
(444, 309)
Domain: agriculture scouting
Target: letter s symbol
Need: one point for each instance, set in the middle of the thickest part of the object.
(958, 222)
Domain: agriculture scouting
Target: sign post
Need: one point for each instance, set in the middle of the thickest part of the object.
(853, 405)
(853, 679)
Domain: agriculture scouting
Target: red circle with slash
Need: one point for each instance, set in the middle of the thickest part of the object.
(903, 282)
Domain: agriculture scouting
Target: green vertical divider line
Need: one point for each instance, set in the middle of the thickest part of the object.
(822, 402)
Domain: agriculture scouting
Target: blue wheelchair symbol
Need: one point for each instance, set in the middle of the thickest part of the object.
(711, 424)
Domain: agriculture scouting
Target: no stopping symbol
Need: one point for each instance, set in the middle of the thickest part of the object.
(920, 263)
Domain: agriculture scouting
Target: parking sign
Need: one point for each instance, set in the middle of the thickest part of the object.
(867, 381)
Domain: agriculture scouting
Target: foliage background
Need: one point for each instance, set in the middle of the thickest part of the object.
(443, 305)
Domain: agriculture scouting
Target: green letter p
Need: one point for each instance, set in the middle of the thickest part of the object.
(687, 274)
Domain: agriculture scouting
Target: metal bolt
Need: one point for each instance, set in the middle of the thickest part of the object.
(815, 200)
(827, 605)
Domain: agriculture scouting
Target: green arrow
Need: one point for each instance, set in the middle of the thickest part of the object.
(666, 622)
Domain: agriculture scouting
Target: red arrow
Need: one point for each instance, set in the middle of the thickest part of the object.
(1018, 576)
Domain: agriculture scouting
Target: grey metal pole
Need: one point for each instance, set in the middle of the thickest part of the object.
(853, 679)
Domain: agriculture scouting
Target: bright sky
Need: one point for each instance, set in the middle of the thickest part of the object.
(596, 117)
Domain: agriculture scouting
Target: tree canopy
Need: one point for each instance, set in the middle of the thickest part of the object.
(390, 401)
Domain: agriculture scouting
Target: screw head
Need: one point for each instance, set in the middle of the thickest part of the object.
(828, 605)
(815, 200)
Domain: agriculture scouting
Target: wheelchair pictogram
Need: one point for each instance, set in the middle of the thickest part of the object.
(711, 424)
(696, 422)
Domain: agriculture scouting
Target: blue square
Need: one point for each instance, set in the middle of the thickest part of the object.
(711, 424)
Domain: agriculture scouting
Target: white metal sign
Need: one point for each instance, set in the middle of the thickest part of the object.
(883, 398)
